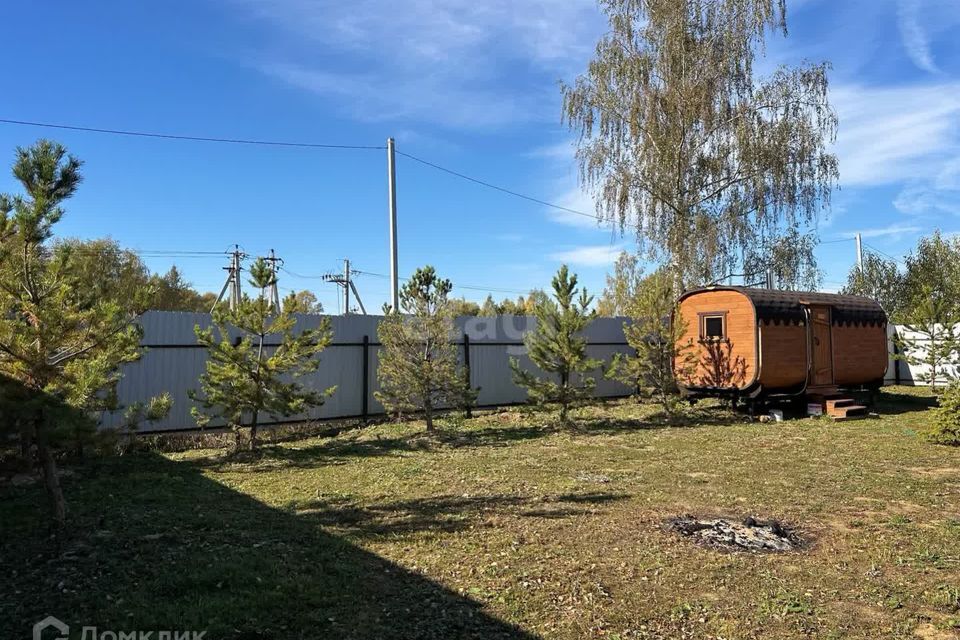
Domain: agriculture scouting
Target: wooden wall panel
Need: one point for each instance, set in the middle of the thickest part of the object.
(859, 354)
(740, 328)
(783, 350)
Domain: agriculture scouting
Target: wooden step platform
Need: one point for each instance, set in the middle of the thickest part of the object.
(844, 409)
(836, 405)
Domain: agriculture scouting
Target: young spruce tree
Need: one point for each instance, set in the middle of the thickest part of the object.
(931, 313)
(256, 375)
(557, 347)
(419, 366)
(60, 348)
(931, 338)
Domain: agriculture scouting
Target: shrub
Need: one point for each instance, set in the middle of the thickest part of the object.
(946, 424)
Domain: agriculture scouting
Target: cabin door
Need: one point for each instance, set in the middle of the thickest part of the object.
(821, 344)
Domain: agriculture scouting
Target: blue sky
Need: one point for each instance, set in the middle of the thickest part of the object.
(469, 85)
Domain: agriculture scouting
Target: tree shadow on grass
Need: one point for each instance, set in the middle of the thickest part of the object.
(362, 445)
(154, 545)
(890, 403)
(445, 513)
(660, 420)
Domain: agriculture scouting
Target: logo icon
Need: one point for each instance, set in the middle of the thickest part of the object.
(62, 628)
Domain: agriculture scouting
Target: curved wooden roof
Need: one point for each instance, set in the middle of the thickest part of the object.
(788, 306)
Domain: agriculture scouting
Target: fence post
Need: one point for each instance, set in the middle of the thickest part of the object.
(366, 377)
(466, 367)
(896, 358)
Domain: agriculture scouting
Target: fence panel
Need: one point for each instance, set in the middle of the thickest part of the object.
(173, 361)
(902, 372)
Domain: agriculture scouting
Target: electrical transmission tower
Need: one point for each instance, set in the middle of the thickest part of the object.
(232, 285)
(347, 285)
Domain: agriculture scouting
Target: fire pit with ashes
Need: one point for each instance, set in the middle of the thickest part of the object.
(748, 534)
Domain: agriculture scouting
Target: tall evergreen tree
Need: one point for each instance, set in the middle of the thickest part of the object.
(60, 347)
(681, 143)
(419, 366)
(557, 347)
(252, 377)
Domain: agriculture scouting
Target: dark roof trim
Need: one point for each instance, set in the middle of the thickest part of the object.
(789, 306)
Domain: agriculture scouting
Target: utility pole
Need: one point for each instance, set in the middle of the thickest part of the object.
(233, 279)
(272, 293)
(859, 253)
(346, 287)
(346, 282)
(392, 196)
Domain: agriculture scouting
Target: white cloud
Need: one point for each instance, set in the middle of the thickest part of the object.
(450, 62)
(575, 199)
(371, 98)
(914, 36)
(895, 133)
(924, 199)
(562, 151)
(895, 230)
(589, 256)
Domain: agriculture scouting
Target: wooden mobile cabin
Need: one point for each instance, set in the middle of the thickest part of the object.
(758, 343)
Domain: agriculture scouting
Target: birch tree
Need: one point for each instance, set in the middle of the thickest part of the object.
(683, 144)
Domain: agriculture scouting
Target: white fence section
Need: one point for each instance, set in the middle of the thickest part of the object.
(902, 372)
(173, 362)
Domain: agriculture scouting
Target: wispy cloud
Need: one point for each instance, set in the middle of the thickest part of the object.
(895, 133)
(579, 200)
(372, 97)
(448, 62)
(925, 200)
(894, 230)
(563, 150)
(914, 36)
(589, 256)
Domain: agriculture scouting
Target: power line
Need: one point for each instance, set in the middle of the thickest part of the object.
(498, 188)
(472, 287)
(882, 253)
(298, 275)
(837, 240)
(170, 136)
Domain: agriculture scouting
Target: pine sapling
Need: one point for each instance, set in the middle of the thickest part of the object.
(419, 366)
(258, 374)
(558, 347)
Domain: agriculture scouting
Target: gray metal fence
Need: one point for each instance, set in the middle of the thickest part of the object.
(173, 361)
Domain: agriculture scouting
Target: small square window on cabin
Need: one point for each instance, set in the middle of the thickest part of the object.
(713, 327)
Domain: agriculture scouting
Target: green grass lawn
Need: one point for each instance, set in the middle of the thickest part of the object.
(504, 527)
